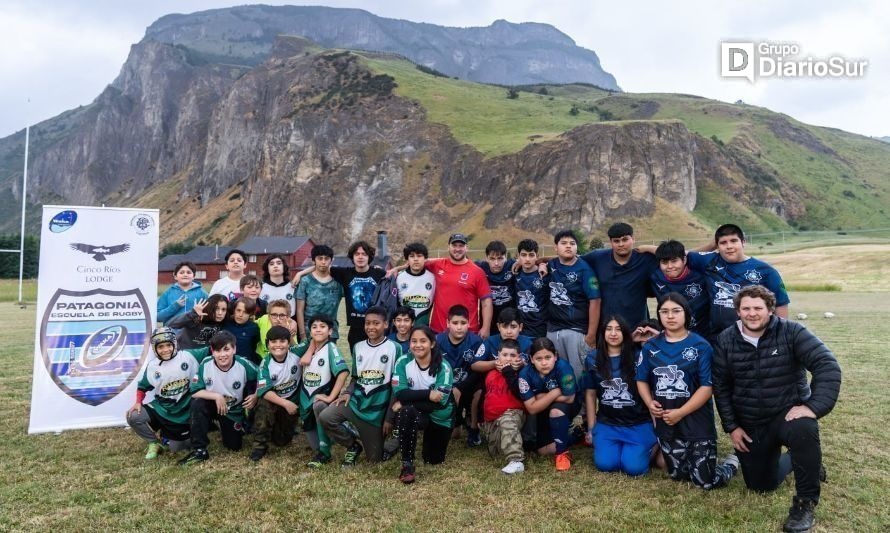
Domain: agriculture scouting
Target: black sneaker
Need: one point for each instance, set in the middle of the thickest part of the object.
(318, 460)
(474, 438)
(257, 453)
(801, 516)
(352, 454)
(198, 455)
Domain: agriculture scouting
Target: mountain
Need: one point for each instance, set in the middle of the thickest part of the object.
(503, 53)
(337, 144)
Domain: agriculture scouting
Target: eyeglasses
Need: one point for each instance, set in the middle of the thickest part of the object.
(279, 316)
(668, 312)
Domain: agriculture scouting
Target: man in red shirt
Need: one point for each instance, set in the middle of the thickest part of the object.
(460, 281)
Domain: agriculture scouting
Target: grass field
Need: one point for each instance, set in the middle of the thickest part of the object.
(97, 479)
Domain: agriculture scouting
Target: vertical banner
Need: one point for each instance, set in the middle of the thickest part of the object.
(96, 306)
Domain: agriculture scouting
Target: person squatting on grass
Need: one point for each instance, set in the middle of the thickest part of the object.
(278, 388)
(503, 412)
(324, 375)
(422, 387)
(621, 429)
(169, 375)
(364, 402)
(765, 402)
(674, 380)
(223, 388)
(548, 389)
(457, 345)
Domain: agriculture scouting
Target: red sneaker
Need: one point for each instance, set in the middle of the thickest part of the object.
(563, 462)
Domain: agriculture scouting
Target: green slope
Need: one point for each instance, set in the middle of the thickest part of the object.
(843, 178)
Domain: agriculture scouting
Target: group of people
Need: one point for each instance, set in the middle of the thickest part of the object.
(534, 354)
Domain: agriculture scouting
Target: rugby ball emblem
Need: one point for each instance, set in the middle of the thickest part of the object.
(103, 346)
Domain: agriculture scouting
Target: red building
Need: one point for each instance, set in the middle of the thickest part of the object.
(210, 261)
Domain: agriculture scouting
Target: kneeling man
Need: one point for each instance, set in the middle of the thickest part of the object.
(765, 401)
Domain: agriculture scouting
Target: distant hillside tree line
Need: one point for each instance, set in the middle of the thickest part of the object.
(9, 262)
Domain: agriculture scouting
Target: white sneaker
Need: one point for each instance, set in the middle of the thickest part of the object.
(514, 467)
(732, 461)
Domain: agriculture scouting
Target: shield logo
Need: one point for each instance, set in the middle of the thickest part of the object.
(94, 342)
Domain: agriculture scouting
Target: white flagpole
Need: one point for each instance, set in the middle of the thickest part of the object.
(24, 197)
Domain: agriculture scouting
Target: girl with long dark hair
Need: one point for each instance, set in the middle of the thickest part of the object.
(621, 428)
(422, 387)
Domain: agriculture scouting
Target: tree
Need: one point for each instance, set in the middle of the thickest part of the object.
(574, 110)
(512, 93)
(9, 262)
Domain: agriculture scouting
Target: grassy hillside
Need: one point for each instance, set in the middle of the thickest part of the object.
(844, 179)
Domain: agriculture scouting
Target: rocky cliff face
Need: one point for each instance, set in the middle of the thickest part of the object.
(313, 143)
(503, 53)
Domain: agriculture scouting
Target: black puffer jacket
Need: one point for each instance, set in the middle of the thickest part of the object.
(753, 385)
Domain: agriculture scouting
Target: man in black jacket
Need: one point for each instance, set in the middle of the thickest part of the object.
(765, 402)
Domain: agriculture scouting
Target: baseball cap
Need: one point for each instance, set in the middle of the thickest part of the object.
(457, 237)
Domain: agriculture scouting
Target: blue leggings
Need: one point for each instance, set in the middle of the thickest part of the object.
(623, 448)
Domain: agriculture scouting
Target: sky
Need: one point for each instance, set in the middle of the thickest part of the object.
(56, 55)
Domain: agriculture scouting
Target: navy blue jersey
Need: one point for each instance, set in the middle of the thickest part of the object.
(674, 371)
(618, 402)
(406, 344)
(490, 347)
(247, 335)
(532, 295)
(623, 288)
(725, 280)
(502, 285)
(572, 287)
(459, 356)
(694, 287)
(531, 382)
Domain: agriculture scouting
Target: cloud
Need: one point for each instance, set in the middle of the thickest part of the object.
(62, 55)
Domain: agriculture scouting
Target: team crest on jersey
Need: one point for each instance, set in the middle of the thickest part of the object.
(725, 293)
(321, 362)
(464, 276)
(558, 294)
(523, 386)
(551, 384)
(236, 385)
(616, 393)
(384, 358)
(571, 277)
(527, 303)
(359, 359)
(208, 382)
(94, 342)
(692, 290)
(157, 374)
(274, 377)
(403, 285)
(670, 382)
(537, 283)
(753, 276)
(293, 369)
(690, 353)
(410, 382)
(468, 354)
(428, 286)
(184, 366)
(639, 358)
